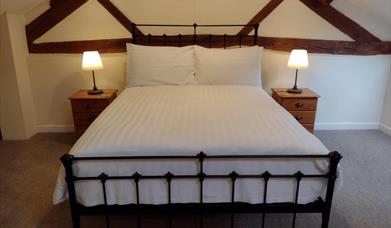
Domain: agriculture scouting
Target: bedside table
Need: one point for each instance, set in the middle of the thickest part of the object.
(86, 107)
(301, 105)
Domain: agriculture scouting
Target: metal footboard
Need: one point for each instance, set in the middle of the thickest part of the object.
(232, 207)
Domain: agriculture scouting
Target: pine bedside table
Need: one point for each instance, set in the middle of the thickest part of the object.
(86, 107)
(301, 105)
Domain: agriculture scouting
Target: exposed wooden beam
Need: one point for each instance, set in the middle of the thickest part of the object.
(121, 18)
(55, 2)
(340, 21)
(260, 16)
(326, 46)
(103, 46)
(51, 17)
(325, 2)
(271, 43)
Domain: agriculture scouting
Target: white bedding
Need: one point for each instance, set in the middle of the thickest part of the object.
(184, 120)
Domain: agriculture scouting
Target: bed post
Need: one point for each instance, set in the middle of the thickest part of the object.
(335, 157)
(67, 161)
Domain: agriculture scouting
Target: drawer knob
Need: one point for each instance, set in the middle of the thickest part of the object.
(299, 104)
(298, 118)
(89, 106)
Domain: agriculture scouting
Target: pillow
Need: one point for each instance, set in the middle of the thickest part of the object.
(239, 66)
(153, 66)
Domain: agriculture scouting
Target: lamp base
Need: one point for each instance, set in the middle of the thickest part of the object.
(95, 92)
(295, 90)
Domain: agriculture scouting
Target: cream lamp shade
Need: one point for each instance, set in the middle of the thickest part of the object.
(91, 61)
(298, 59)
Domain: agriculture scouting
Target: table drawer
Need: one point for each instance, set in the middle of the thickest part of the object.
(89, 106)
(84, 118)
(293, 104)
(79, 130)
(304, 117)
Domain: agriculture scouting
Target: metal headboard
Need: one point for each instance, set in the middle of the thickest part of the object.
(207, 40)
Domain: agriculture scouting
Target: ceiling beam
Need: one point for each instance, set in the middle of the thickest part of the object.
(57, 12)
(121, 18)
(325, 2)
(271, 43)
(55, 2)
(340, 21)
(326, 46)
(260, 16)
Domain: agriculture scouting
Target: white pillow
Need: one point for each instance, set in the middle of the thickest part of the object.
(153, 66)
(239, 66)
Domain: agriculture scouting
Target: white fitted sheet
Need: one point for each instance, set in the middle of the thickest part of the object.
(184, 120)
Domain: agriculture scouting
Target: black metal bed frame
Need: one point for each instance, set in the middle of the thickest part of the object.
(232, 207)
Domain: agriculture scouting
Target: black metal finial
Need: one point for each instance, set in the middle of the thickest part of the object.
(233, 175)
(103, 177)
(136, 177)
(266, 175)
(299, 175)
(67, 159)
(336, 156)
(201, 156)
(169, 176)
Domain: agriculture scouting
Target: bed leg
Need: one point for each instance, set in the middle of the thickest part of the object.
(75, 220)
(325, 219)
(67, 161)
(335, 157)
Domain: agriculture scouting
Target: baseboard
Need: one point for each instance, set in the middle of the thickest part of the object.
(385, 129)
(54, 128)
(346, 125)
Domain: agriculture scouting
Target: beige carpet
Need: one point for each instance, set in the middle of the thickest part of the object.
(28, 170)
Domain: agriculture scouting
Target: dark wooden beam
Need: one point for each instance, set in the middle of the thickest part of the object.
(103, 46)
(340, 21)
(326, 46)
(260, 16)
(325, 2)
(51, 17)
(121, 18)
(55, 2)
(271, 43)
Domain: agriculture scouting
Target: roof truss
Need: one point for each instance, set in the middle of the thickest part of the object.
(364, 42)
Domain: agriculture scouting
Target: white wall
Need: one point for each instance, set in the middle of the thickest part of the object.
(16, 103)
(385, 123)
(351, 87)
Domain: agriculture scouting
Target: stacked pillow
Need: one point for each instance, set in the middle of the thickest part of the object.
(154, 66)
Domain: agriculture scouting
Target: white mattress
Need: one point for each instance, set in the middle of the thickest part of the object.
(184, 120)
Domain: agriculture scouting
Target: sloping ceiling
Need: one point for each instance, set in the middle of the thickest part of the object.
(18, 6)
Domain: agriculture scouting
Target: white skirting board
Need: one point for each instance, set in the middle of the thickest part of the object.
(346, 125)
(385, 129)
(318, 126)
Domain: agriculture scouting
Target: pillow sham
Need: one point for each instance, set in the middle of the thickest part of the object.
(154, 66)
(239, 66)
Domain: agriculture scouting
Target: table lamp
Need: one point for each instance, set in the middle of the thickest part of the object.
(298, 59)
(92, 61)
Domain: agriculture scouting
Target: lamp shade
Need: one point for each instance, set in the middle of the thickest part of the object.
(298, 59)
(91, 61)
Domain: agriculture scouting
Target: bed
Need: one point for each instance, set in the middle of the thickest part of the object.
(205, 148)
